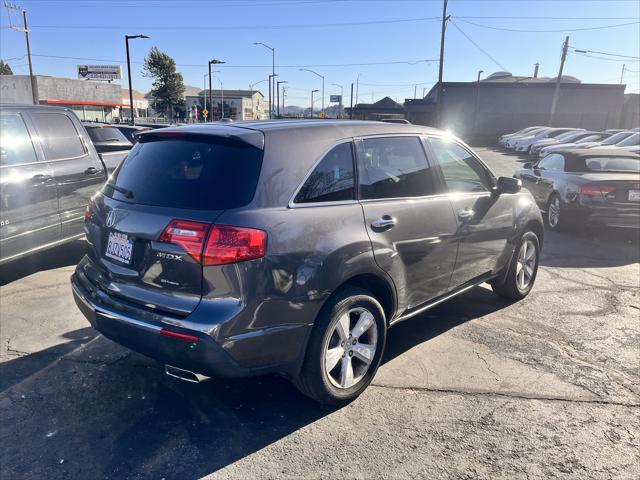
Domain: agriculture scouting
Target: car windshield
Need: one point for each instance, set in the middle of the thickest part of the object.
(613, 139)
(629, 141)
(590, 138)
(612, 164)
(567, 136)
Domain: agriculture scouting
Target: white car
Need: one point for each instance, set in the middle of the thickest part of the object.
(524, 144)
(611, 140)
(503, 139)
(567, 137)
(593, 138)
(511, 141)
(632, 140)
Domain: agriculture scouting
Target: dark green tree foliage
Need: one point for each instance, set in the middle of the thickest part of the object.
(5, 69)
(168, 85)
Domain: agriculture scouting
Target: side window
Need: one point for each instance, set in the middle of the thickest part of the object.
(16, 146)
(460, 170)
(58, 136)
(332, 179)
(553, 163)
(394, 167)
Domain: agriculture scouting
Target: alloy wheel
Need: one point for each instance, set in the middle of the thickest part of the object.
(554, 212)
(351, 348)
(526, 264)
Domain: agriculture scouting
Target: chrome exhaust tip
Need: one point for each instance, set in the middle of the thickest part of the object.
(185, 375)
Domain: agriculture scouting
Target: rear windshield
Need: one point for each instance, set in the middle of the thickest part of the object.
(612, 164)
(191, 173)
(106, 134)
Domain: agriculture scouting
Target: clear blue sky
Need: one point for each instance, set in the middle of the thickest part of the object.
(194, 31)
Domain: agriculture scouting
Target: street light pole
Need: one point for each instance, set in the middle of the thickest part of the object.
(131, 107)
(212, 62)
(312, 92)
(273, 74)
(322, 77)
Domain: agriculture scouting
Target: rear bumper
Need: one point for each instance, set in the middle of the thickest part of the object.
(609, 216)
(269, 350)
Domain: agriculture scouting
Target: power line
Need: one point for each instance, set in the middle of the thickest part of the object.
(582, 50)
(396, 84)
(478, 46)
(544, 18)
(405, 62)
(604, 58)
(231, 27)
(549, 31)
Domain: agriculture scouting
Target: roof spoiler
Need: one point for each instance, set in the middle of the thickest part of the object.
(250, 137)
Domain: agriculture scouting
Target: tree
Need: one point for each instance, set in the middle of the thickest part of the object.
(168, 85)
(5, 69)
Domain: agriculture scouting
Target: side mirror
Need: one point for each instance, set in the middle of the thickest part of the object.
(508, 185)
(528, 166)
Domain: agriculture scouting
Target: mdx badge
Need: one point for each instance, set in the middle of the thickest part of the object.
(169, 256)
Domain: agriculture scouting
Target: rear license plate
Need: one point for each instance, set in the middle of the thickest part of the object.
(119, 247)
(634, 195)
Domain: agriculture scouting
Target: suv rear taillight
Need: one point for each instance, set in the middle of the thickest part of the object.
(596, 190)
(88, 212)
(227, 244)
(224, 243)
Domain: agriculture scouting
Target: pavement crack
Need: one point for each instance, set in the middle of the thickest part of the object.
(512, 395)
(484, 360)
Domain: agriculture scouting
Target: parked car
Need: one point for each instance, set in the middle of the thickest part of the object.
(589, 139)
(567, 137)
(631, 141)
(524, 144)
(577, 187)
(510, 142)
(48, 171)
(291, 247)
(110, 143)
(608, 141)
(503, 139)
(131, 131)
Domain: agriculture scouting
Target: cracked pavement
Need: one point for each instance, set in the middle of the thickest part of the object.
(548, 387)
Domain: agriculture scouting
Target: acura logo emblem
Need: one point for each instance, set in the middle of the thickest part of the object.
(111, 218)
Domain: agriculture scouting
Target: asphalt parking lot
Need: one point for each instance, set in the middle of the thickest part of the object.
(548, 387)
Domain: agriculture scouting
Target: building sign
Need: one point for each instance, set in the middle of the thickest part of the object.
(335, 98)
(99, 72)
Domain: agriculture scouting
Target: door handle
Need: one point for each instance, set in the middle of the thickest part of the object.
(42, 178)
(466, 214)
(91, 171)
(386, 222)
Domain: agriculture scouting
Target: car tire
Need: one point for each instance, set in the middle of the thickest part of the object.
(522, 269)
(333, 352)
(555, 216)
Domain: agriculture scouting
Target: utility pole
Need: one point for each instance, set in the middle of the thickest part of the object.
(284, 89)
(272, 87)
(475, 110)
(441, 67)
(25, 30)
(278, 96)
(556, 92)
(415, 91)
(622, 74)
(351, 104)
(312, 92)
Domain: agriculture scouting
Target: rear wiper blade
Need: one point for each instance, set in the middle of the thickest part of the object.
(127, 193)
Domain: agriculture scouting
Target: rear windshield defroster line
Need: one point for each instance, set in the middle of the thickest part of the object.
(190, 172)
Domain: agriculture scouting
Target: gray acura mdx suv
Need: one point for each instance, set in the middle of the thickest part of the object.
(290, 247)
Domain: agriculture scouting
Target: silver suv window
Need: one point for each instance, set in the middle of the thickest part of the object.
(332, 180)
(394, 167)
(460, 170)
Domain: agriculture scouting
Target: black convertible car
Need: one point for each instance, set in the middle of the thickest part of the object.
(586, 186)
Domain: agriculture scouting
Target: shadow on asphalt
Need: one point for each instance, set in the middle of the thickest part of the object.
(103, 412)
(57, 257)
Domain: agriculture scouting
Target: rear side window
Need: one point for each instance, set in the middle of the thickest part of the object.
(552, 163)
(16, 146)
(198, 174)
(58, 136)
(332, 180)
(461, 171)
(106, 134)
(394, 167)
